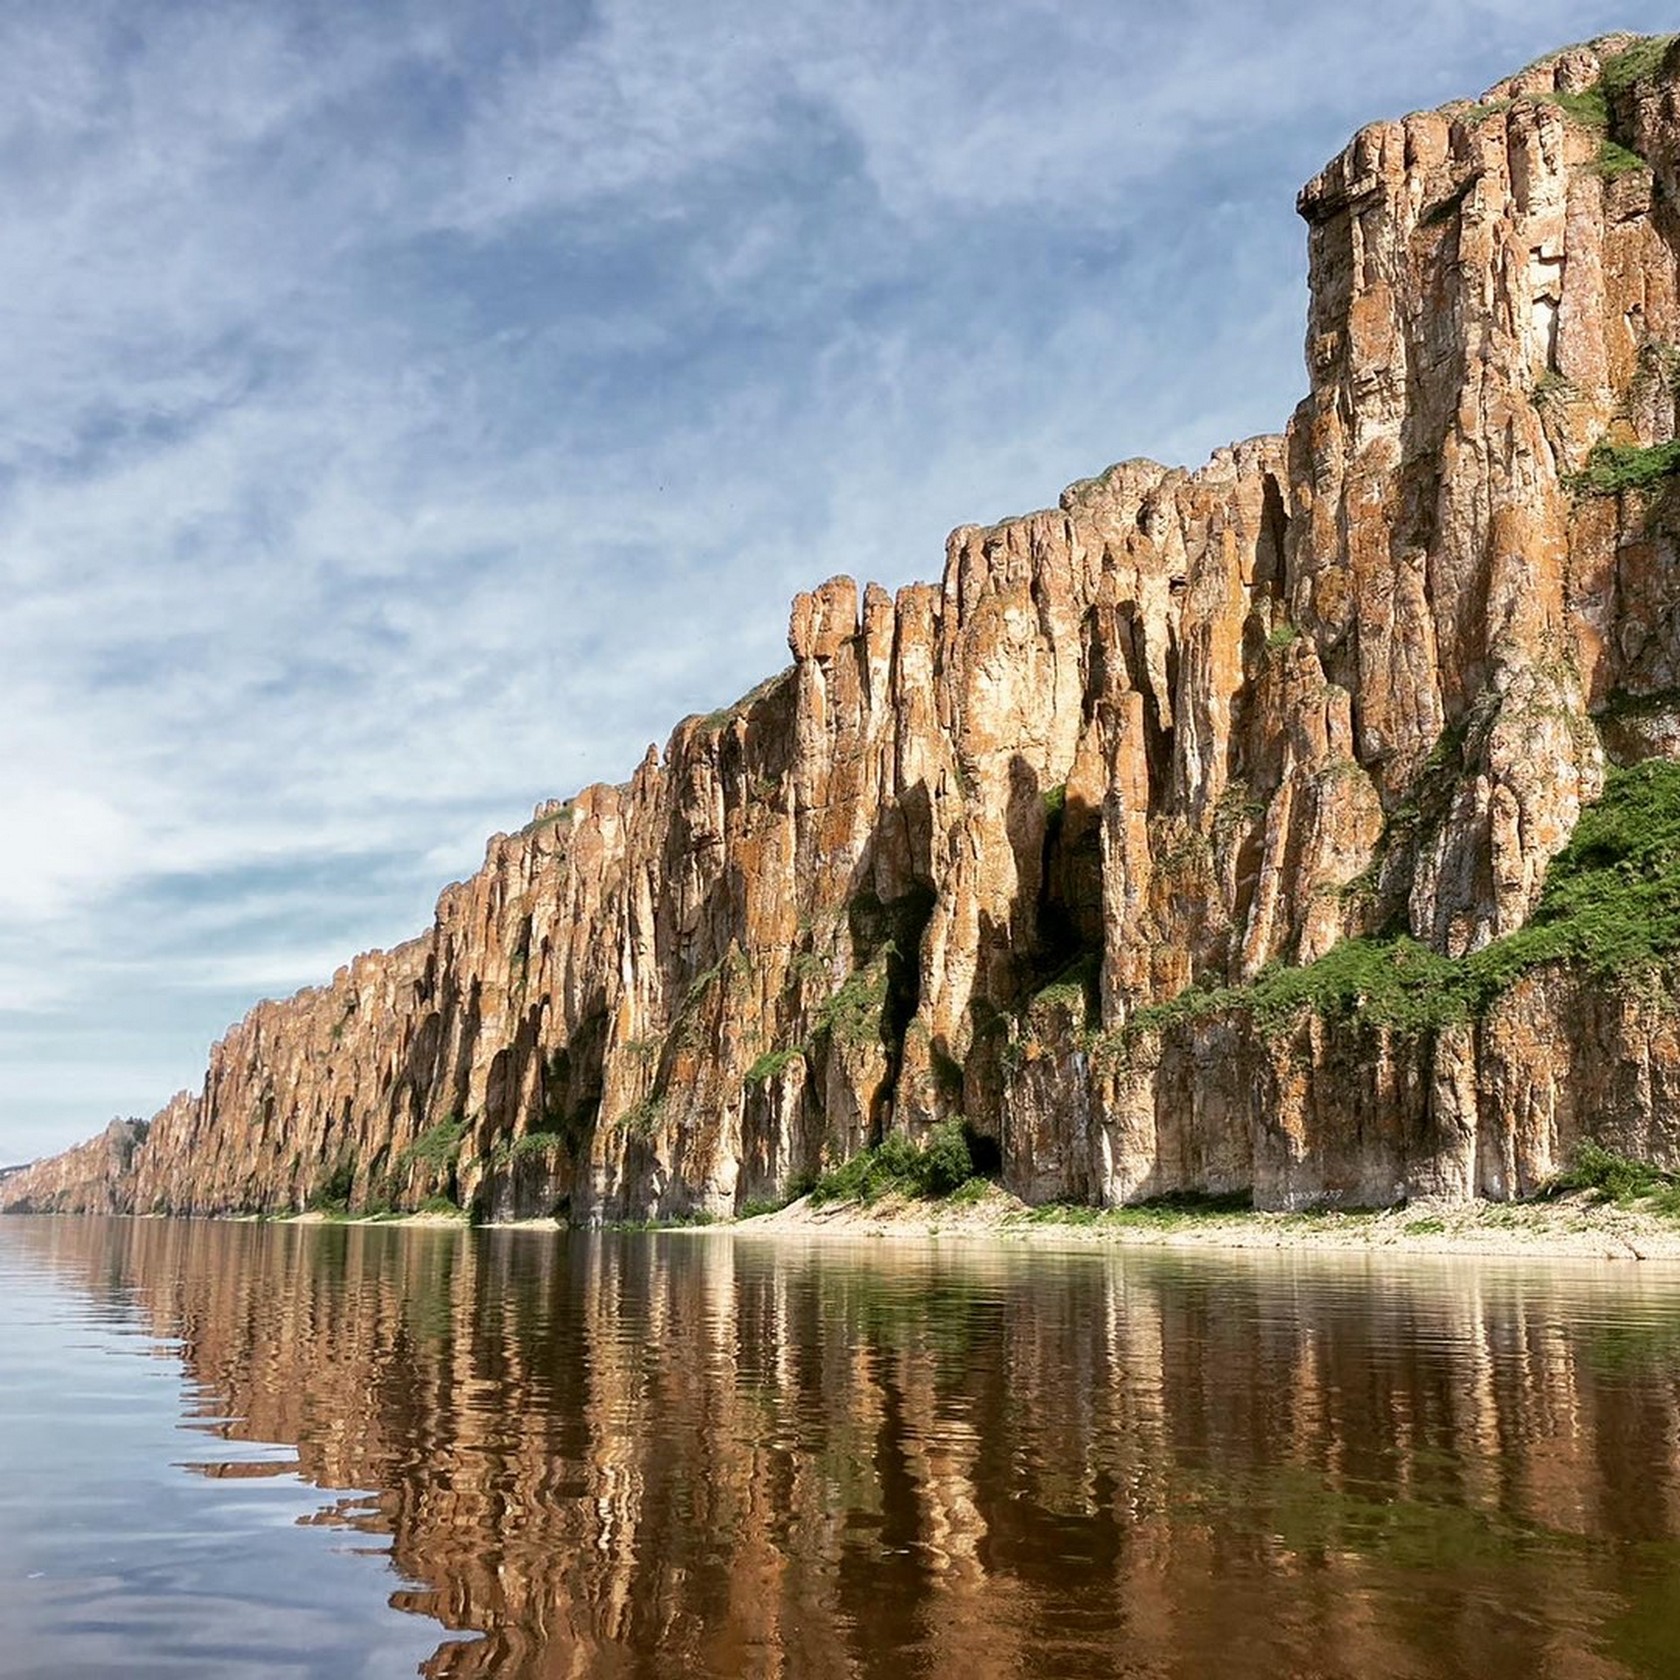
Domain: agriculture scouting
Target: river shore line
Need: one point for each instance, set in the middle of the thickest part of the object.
(1577, 1226)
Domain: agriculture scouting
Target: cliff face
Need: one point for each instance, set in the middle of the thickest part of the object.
(1357, 679)
(94, 1177)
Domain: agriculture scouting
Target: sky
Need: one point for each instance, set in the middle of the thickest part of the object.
(410, 411)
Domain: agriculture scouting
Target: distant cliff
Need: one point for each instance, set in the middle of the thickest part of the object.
(1193, 835)
(94, 1177)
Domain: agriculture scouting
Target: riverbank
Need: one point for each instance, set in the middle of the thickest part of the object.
(1581, 1225)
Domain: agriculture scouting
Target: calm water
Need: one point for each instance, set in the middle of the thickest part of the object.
(248, 1450)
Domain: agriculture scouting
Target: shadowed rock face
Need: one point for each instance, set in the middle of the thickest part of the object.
(1181, 727)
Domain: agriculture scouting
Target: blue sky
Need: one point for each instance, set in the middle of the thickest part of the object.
(412, 410)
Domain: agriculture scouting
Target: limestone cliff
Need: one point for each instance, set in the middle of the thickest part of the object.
(963, 855)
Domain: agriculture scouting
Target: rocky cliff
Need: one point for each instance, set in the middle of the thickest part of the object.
(94, 1177)
(1194, 835)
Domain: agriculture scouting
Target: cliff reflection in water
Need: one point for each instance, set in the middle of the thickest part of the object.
(680, 1454)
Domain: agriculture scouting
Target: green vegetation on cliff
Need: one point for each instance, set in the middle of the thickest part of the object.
(1611, 904)
(1637, 63)
(772, 1063)
(1614, 467)
(438, 1146)
(333, 1191)
(1594, 107)
(1620, 1180)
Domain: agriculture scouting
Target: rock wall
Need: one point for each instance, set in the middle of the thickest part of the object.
(94, 1177)
(1349, 1112)
(1183, 726)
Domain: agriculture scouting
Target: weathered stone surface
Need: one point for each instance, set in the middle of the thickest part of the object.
(1180, 727)
(94, 1177)
(1345, 1112)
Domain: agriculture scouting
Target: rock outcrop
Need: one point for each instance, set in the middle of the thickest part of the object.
(961, 857)
(94, 1177)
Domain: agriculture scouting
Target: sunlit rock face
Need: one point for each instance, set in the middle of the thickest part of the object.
(94, 1177)
(1359, 677)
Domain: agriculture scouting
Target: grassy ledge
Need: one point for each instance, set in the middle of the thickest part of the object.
(1594, 107)
(1611, 904)
(1613, 468)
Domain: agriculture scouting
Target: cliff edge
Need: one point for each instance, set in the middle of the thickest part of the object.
(1216, 830)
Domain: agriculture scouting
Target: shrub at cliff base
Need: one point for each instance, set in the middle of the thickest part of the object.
(1619, 1179)
(898, 1167)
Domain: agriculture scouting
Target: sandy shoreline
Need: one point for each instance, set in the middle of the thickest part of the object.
(1576, 1227)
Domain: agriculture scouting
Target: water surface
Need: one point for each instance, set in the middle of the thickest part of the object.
(256, 1449)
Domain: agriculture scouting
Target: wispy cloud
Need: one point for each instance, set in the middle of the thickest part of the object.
(412, 410)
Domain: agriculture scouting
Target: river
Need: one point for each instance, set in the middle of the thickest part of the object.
(253, 1450)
